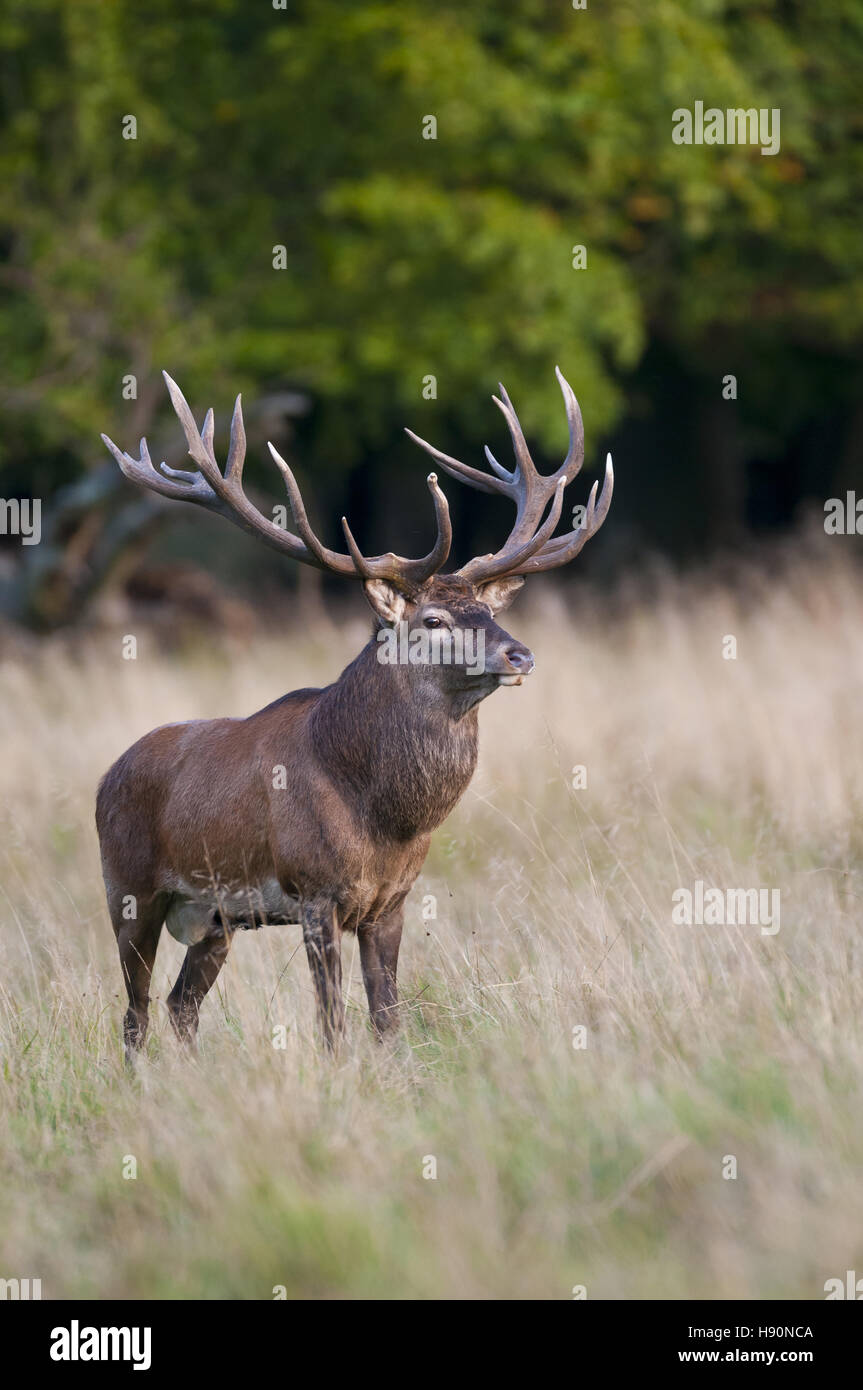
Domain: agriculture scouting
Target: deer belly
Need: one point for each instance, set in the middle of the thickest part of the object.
(193, 916)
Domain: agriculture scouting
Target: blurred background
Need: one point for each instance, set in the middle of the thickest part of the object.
(280, 226)
(417, 273)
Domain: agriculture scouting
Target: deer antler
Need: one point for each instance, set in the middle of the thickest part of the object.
(529, 547)
(223, 493)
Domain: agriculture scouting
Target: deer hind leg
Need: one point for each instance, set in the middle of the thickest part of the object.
(379, 957)
(323, 939)
(197, 975)
(137, 940)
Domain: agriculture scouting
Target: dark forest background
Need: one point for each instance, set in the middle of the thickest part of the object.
(407, 257)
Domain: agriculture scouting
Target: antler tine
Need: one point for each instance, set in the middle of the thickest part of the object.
(208, 430)
(237, 447)
(575, 458)
(327, 559)
(499, 469)
(394, 567)
(483, 482)
(486, 567)
(410, 574)
(562, 549)
(529, 546)
(529, 490)
(223, 493)
(360, 563)
(439, 554)
(200, 446)
(208, 487)
(524, 463)
(189, 487)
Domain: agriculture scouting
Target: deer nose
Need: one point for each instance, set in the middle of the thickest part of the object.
(520, 658)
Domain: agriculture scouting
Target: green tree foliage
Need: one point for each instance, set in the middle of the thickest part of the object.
(303, 127)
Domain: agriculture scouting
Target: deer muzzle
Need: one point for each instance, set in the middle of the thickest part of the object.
(516, 662)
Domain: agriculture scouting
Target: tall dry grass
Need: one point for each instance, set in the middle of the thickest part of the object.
(557, 1166)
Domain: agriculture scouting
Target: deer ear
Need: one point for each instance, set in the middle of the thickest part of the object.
(499, 593)
(385, 599)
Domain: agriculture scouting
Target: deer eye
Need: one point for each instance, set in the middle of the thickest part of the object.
(433, 622)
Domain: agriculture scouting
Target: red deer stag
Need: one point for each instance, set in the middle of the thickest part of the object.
(318, 810)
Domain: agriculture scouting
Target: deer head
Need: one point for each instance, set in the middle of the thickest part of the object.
(411, 594)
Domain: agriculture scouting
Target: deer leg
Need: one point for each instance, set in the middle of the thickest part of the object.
(197, 975)
(137, 940)
(322, 936)
(379, 957)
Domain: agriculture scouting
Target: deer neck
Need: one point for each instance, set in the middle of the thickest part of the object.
(400, 747)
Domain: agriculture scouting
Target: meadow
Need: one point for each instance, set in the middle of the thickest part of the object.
(580, 1068)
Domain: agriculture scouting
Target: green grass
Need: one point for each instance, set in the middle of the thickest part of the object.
(556, 1166)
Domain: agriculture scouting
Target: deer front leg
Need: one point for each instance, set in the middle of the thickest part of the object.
(379, 957)
(197, 974)
(323, 937)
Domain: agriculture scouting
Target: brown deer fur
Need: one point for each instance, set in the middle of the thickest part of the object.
(318, 809)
